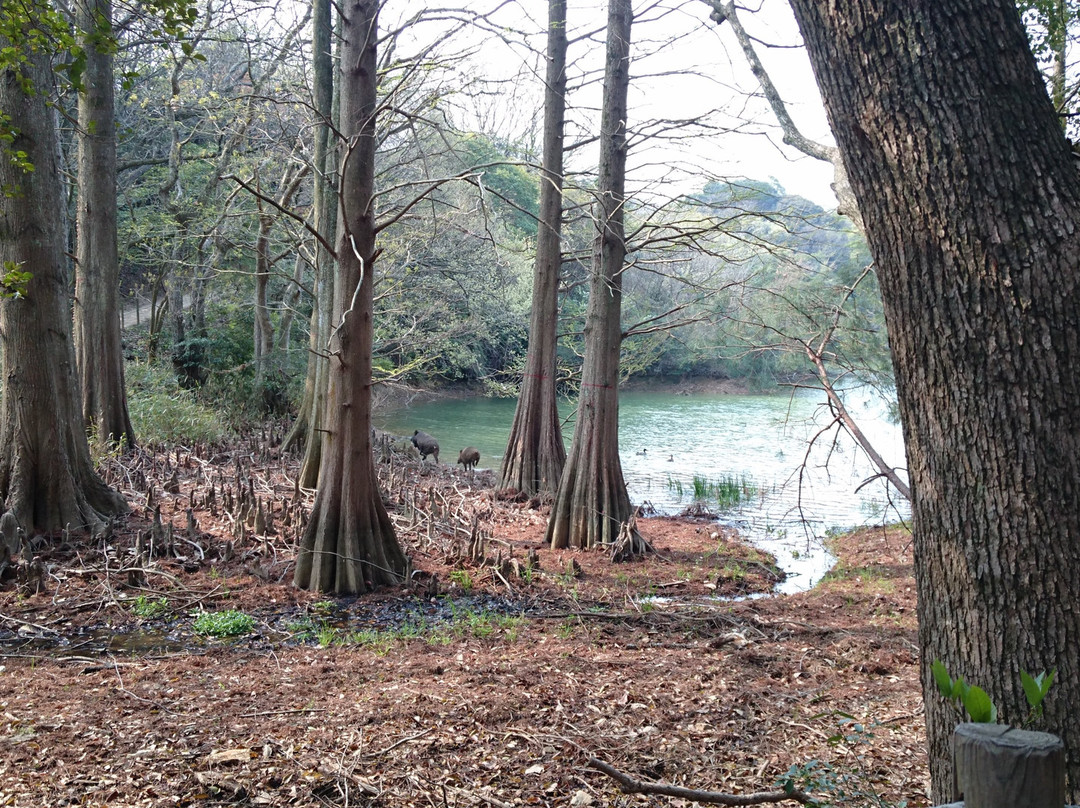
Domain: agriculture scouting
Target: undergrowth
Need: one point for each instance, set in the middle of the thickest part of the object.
(162, 412)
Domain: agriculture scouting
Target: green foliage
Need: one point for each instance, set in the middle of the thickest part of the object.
(1051, 27)
(149, 609)
(14, 280)
(970, 697)
(827, 785)
(464, 622)
(978, 704)
(774, 274)
(228, 623)
(37, 26)
(1036, 688)
(164, 413)
(462, 579)
(326, 635)
(516, 191)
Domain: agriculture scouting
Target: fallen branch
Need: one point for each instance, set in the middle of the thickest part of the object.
(395, 745)
(631, 786)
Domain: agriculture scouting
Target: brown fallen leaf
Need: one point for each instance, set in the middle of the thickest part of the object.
(229, 756)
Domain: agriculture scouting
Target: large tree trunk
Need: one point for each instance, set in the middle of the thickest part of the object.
(46, 477)
(592, 506)
(307, 429)
(99, 353)
(349, 545)
(535, 452)
(972, 208)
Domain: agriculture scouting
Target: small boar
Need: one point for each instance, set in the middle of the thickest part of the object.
(469, 457)
(425, 444)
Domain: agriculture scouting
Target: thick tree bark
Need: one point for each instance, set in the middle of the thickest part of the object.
(535, 452)
(592, 505)
(46, 477)
(349, 545)
(98, 350)
(972, 208)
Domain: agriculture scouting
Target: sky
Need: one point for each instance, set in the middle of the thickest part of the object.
(684, 67)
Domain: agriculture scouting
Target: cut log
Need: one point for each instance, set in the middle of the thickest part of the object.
(996, 766)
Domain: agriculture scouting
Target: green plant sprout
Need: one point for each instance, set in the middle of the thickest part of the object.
(462, 579)
(149, 609)
(977, 703)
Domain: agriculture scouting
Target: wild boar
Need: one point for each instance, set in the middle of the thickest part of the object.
(469, 457)
(425, 444)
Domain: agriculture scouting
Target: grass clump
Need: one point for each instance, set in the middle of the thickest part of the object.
(229, 623)
(162, 412)
(727, 492)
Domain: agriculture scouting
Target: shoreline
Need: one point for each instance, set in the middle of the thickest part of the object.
(399, 395)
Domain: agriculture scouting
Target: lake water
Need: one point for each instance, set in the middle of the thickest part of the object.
(667, 440)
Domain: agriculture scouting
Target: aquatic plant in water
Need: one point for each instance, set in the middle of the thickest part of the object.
(727, 492)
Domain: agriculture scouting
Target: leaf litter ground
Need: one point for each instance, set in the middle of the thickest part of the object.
(489, 681)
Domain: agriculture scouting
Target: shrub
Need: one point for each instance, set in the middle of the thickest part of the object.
(164, 413)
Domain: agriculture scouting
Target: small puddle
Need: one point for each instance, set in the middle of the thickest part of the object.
(96, 641)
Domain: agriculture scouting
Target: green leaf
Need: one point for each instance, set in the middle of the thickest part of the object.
(942, 679)
(979, 706)
(14, 281)
(1032, 690)
(76, 69)
(960, 689)
(1036, 688)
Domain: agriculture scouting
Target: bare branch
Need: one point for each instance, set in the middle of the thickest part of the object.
(724, 11)
(631, 786)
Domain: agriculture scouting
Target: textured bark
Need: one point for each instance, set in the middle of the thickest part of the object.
(349, 545)
(46, 477)
(307, 429)
(592, 505)
(972, 209)
(98, 350)
(535, 452)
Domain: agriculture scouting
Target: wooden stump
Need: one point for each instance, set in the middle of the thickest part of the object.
(996, 766)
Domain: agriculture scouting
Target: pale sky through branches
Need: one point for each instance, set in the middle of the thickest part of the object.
(696, 111)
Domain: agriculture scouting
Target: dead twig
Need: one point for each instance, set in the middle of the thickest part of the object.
(631, 786)
(401, 742)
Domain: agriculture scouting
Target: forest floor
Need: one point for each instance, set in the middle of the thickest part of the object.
(490, 680)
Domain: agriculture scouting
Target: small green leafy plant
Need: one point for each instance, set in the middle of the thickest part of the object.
(229, 623)
(1036, 688)
(977, 703)
(149, 609)
(859, 784)
(462, 579)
